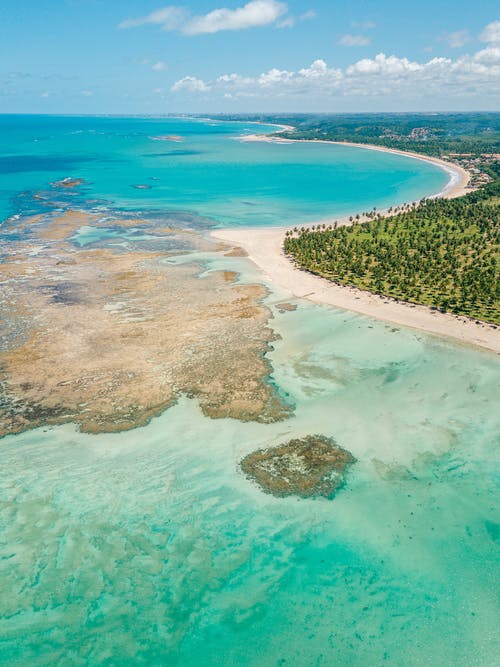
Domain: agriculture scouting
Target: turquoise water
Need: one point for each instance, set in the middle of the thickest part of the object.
(209, 172)
(150, 547)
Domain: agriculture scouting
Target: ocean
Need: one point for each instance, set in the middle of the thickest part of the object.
(150, 547)
(204, 168)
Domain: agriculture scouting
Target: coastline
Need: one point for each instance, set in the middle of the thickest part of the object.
(265, 248)
(457, 185)
(459, 178)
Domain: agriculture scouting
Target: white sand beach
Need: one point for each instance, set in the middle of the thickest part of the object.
(265, 248)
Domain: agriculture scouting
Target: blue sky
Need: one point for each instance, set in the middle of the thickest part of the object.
(142, 56)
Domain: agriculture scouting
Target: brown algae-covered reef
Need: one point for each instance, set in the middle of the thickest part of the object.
(110, 334)
(307, 467)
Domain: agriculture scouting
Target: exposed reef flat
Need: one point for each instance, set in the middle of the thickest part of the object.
(110, 335)
(305, 467)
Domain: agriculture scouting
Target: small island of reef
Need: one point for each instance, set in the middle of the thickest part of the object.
(307, 467)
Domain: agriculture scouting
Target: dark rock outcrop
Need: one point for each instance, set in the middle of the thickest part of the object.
(306, 467)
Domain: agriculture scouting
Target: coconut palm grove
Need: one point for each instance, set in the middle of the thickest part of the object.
(442, 253)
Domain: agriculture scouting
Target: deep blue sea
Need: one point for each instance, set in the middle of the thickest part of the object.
(150, 547)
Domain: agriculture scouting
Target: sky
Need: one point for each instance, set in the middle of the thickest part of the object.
(208, 56)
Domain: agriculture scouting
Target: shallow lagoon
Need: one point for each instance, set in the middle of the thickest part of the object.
(150, 546)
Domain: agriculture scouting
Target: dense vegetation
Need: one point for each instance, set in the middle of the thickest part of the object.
(442, 253)
(427, 133)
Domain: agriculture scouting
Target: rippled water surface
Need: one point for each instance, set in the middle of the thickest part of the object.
(150, 547)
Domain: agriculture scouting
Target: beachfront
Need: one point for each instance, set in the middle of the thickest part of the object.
(265, 248)
(459, 178)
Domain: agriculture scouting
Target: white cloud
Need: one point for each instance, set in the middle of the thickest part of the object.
(482, 61)
(468, 75)
(491, 33)
(383, 65)
(86, 93)
(159, 66)
(457, 39)
(319, 70)
(256, 13)
(45, 94)
(290, 21)
(354, 40)
(274, 76)
(156, 65)
(169, 18)
(276, 82)
(307, 16)
(287, 22)
(191, 84)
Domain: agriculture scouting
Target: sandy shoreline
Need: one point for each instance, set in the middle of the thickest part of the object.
(265, 249)
(459, 178)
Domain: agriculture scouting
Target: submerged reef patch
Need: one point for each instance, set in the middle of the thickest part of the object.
(68, 182)
(286, 307)
(307, 467)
